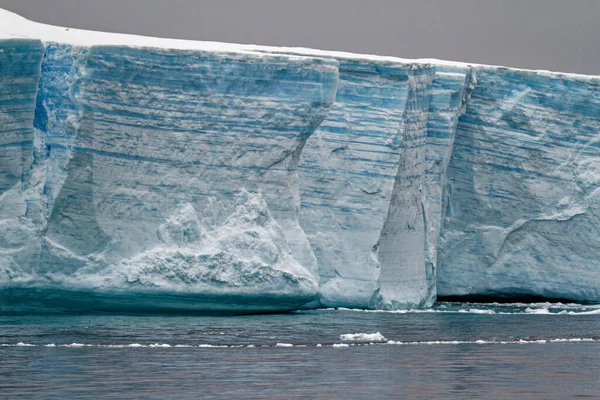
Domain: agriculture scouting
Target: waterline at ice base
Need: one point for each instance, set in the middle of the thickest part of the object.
(159, 175)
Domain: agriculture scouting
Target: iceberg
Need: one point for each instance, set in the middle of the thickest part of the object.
(149, 174)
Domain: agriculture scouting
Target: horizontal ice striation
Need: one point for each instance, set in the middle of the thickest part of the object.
(403, 277)
(348, 170)
(154, 174)
(57, 113)
(522, 206)
(19, 73)
(450, 91)
(167, 176)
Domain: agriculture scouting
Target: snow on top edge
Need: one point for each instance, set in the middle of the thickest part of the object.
(14, 26)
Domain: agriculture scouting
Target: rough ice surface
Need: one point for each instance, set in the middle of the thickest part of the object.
(154, 174)
(352, 171)
(522, 194)
(158, 172)
(363, 337)
(450, 91)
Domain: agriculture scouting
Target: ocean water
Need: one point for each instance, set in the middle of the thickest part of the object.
(453, 351)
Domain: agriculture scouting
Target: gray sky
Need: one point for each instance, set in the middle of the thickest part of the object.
(559, 35)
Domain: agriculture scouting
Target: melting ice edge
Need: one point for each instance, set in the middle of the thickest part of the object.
(152, 174)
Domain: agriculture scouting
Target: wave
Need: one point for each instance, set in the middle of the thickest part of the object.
(516, 341)
(290, 345)
(493, 309)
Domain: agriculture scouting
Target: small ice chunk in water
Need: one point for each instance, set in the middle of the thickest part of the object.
(363, 337)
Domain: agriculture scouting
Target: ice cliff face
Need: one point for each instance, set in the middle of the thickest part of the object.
(522, 189)
(357, 195)
(140, 173)
(450, 91)
(158, 172)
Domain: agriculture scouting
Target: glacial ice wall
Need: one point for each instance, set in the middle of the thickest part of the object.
(19, 73)
(169, 174)
(348, 172)
(154, 174)
(523, 182)
(450, 92)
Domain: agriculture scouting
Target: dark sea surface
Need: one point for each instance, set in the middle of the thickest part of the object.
(454, 351)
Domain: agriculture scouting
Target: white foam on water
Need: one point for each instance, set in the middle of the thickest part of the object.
(528, 309)
(415, 311)
(477, 311)
(335, 345)
(542, 310)
(519, 341)
(363, 337)
(545, 305)
(593, 312)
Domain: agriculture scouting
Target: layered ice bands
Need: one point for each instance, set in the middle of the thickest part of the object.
(152, 174)
(153, 178)
(351, 210)
(19, 75)
(522, 200)
(450, 92)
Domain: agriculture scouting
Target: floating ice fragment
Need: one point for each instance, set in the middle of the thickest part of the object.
(363, 337)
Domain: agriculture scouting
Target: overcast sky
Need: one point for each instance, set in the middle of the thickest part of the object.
(559, 35)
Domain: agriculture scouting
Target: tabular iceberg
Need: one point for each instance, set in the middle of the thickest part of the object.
(152, 174)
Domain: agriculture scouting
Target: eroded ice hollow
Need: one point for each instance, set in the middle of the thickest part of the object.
(151, 174)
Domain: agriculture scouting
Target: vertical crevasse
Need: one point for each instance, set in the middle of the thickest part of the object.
(450, 92)
(20, 62)
(57, 114)
(348, 171)
(158, 171)
(152, 173)
(521, 207)
(403, 279)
